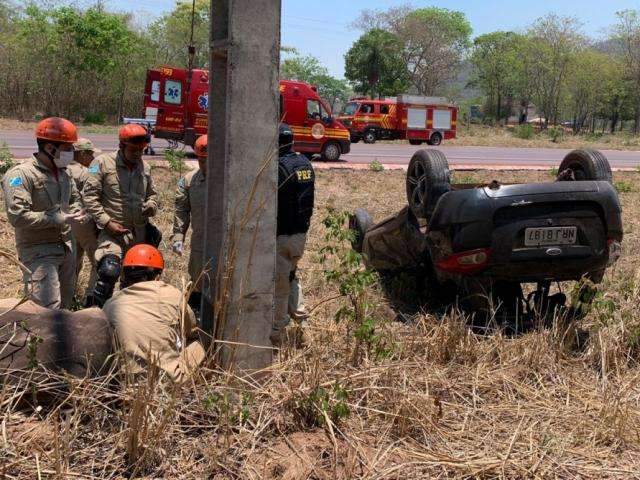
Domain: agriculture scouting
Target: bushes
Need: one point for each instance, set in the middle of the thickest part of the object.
(524, 131)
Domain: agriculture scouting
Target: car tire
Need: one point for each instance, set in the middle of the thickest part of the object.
(331, 152)
(415, 142)
(359, 222)
(428, 178)
(585, 164)
(436, 139)
(369, 136)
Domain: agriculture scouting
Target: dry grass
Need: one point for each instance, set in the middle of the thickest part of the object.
(13, 124)
(446, 403)
(485, 136)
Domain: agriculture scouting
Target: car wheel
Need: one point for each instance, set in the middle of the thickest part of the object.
(331, 152)
(413, 141)
(359, 223)
(369, 136)
(585, 165)
(428, 178)
(436, 139)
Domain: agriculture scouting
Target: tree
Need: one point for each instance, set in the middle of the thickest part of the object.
(627, 34)
(497, 70)
(170, 34)
(309, 69)
(596, 88)
(374, 64)
(551, 47)
(434, 43)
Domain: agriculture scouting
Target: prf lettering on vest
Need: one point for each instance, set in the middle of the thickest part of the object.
(304, 175)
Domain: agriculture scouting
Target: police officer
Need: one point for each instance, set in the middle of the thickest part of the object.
(150, 318)
(120, 196)
(296, 181)
(189, 210)
(42, 203)
(86, 235)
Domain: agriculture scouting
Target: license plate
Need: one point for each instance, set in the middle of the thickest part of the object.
(534, 237)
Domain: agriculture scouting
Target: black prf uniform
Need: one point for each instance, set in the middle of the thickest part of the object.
(296, 191)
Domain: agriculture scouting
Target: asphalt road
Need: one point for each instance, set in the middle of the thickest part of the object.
(21, 144)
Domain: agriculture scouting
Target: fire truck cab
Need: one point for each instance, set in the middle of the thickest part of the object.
(408, 117)
(180, 113)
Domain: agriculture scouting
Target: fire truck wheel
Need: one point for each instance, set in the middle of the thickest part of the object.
(413, 141)
(436, 139)
(428, 178)
(331, 152)
(369, 136)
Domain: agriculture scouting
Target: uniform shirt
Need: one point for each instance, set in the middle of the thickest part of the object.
(79, 173)
(32, 195)
(190, 206)
(113, 191)
(147, 320)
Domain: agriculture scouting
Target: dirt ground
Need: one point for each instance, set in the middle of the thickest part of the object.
(438, 402)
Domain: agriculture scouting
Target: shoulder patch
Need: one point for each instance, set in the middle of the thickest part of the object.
(93, 169)
(15, 182)
(181, 182)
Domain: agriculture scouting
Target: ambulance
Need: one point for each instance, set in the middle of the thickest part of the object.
(415, 118)
(182, 117)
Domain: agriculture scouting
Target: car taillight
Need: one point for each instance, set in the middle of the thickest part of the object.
(465, 263)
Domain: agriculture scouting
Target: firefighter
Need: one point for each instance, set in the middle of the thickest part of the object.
(296, 181)
(42, 204)
(151, 319)
(86, 235)
(120, 196)
(189, 210)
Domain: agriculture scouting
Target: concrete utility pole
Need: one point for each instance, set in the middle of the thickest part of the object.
(242, 178)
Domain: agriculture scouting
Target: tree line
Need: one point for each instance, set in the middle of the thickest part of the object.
(90, 64)
(570, 78)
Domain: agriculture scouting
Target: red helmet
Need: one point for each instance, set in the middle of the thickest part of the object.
(201, 146)
(143, 255)
(57, 129)
(133, 133)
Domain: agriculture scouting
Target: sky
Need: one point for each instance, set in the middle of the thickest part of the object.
(322, 28)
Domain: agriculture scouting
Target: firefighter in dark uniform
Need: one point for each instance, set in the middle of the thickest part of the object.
(296, 187)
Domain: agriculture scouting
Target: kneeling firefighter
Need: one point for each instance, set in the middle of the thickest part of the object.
(296, 190)
(120, 196)
(152, 320)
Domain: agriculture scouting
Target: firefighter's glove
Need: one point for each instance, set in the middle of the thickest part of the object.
(177, 247)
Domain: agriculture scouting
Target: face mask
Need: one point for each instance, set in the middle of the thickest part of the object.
(64, 158)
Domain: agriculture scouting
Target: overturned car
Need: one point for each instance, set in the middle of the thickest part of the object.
(486, 241)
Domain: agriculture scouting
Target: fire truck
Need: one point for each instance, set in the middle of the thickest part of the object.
(179, 112)
(408, 117)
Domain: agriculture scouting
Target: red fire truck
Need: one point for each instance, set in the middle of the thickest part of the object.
(179, 117)
(415, 118)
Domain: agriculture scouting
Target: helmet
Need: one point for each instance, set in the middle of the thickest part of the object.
(57, 129)
(134, 133)
(285, 138)
(143, 255)
(85, 145)
(201, 146)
